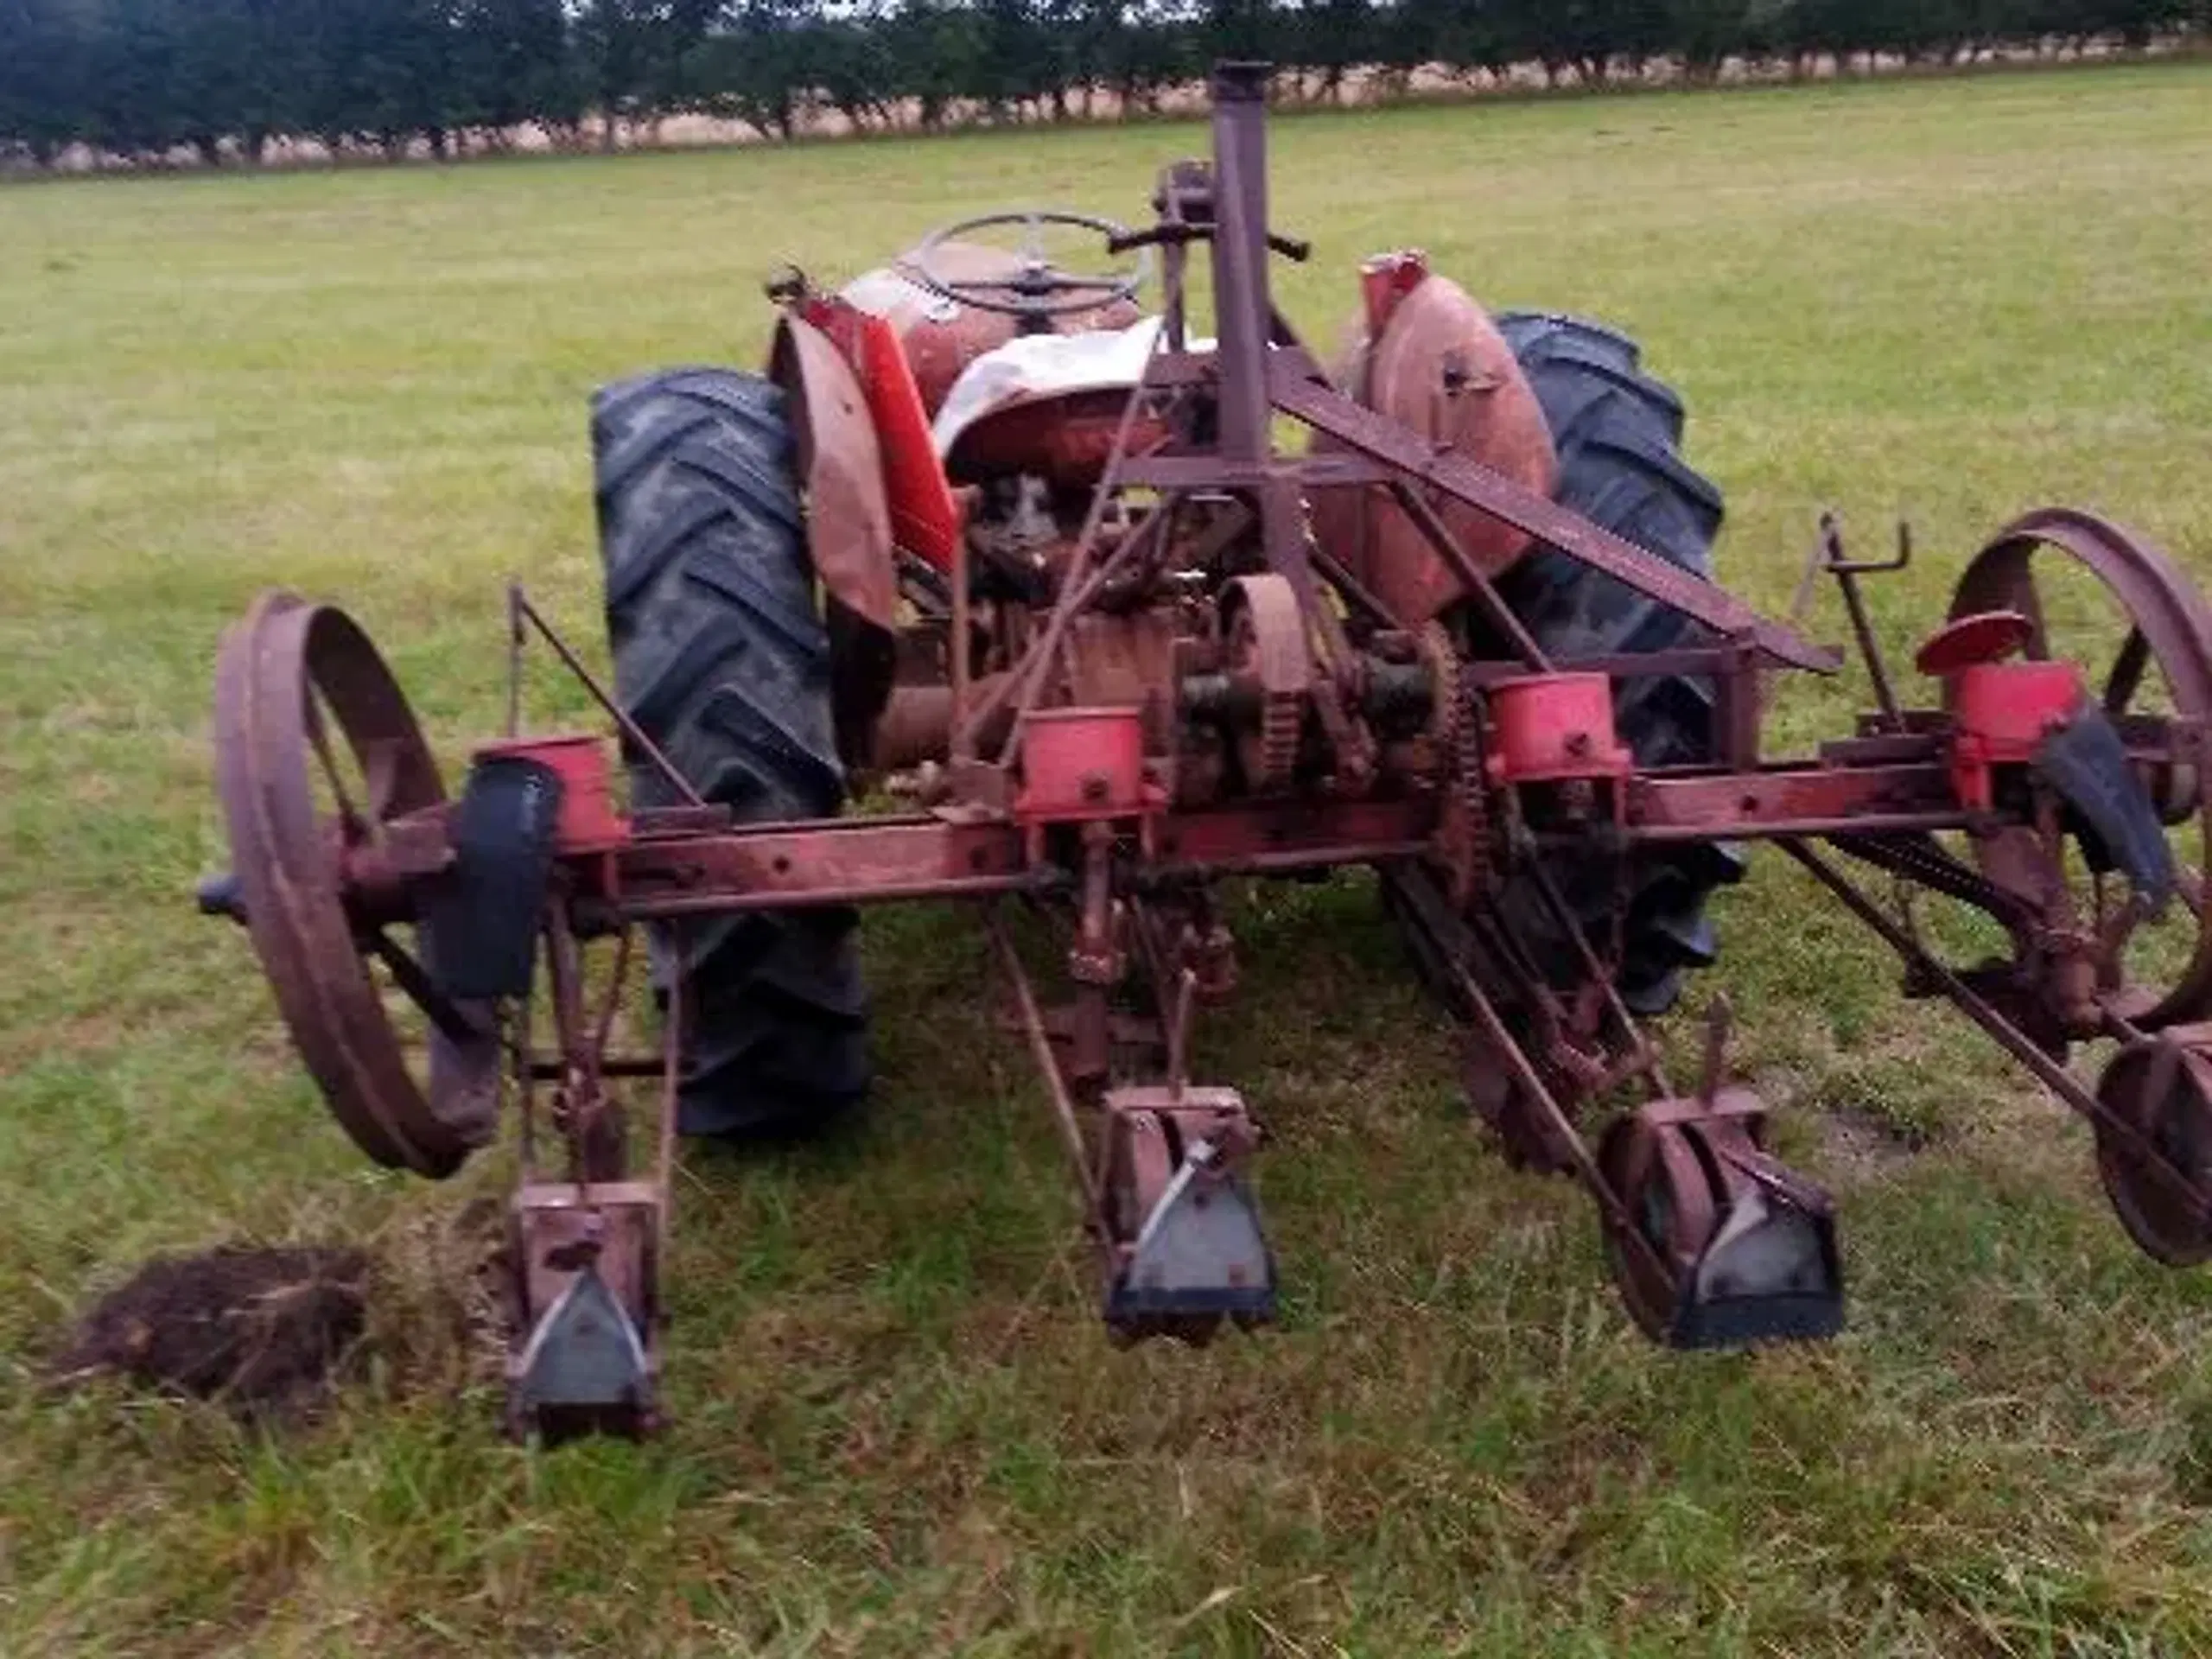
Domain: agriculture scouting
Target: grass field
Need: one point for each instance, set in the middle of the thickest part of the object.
(897, 1428)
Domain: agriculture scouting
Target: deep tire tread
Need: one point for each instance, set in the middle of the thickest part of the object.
(1618, 432)
(731, 582)
(721, 659)
(668, 541)
(708, 650)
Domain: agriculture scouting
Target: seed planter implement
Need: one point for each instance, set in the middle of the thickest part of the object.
(986, 534)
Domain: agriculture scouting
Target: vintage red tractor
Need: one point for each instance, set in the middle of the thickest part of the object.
(987, 532)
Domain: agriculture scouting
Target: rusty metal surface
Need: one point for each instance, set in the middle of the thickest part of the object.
(1128, 657)
(587, 1235)
(849, 515)
(1066, 438)
(1083, 763)
(1979, 637)
(287, 673)
(1668, 1202)
(1692, 1171)
(1869, 796)
(1473, 580)
(1116, 675)
(523, 613)
(558, 1230)
(1441, 370)
(1473, 485)
(2150, 1159)
(2161, 1089)
(916, 724)
(1267, 640)
(942, 337)
(1048, 1065)
(852, 860)
(2169, 627)
(1150, 1132)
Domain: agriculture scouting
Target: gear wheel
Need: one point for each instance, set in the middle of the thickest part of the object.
(1455, 729)
(1265, 633)
(1440, 652)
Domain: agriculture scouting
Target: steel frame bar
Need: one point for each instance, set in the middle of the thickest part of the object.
(1048, 1063)
(982, 854)
(1134, 859)
(2015, 1042)
(1468, 481)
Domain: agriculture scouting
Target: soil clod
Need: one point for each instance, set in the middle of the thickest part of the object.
(256, 1330)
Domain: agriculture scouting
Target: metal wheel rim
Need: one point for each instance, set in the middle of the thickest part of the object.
(1655, 1172)
(2175, 625)
(2164, 1225)
(288, 864)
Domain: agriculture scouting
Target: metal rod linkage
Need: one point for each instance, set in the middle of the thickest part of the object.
(2015, 1042)
(1494, 608)
(1040, 1045)
(1502, 1042)
(631, 729)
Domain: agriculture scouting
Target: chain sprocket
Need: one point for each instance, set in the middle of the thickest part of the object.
(1463, 835)
(1265, 635)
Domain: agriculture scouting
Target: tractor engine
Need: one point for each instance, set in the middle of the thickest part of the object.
(1025, 404)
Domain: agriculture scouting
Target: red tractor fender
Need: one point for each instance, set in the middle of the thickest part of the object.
(924, 517)
(841, 463)
(1429, 356)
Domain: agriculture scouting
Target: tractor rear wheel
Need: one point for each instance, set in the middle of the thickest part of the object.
(1618, 432)
(721, 658)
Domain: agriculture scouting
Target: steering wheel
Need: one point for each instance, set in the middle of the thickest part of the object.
(1039, 289)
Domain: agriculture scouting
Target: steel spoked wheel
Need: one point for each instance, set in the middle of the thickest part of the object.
(2097, 594)
(2162, 1090)
(318, 757)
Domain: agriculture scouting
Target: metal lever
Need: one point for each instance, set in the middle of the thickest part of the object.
(1828, 555)
(1178, 233)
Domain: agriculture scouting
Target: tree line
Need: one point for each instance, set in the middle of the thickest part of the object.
(227, 79)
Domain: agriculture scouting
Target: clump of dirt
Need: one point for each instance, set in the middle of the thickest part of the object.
(1859, 1149)
(259, 1331)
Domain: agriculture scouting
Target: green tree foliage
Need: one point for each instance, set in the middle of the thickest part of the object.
(223, 79)
(43, 83)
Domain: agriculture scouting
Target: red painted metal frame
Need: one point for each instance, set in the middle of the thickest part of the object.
(966, 854)
(970, 854)
(1072, 809)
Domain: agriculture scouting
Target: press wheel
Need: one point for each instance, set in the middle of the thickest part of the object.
(2094, 593)
(2163, 1090)
(1669, 1193)
(301, 810)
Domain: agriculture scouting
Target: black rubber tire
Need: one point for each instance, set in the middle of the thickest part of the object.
(1618, 433)
(721, 658)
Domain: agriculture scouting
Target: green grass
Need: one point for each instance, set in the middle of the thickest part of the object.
(897, 1429)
